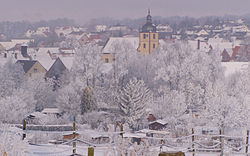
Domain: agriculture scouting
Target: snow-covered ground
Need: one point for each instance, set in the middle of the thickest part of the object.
(65, 150)
(60, 150)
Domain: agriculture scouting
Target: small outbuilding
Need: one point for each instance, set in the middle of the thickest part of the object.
(158, 125)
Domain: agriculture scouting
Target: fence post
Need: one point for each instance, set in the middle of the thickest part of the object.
(24, 128)
(74, 136)
(121, 127)
(193, 141)
(247, 138)
(221, 143)
(90, 151)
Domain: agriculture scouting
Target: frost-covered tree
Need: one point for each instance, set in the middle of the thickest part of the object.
(42, 91)
(16, 107)
(11, 76)
(142, 67)
(226, 111)
(228, 102)
(117, 76)
(188, 71)
(87, 63)
(69, 99)
(70, 42)
(83, 73)
(171, 106)
(88, 101)
(133, 100)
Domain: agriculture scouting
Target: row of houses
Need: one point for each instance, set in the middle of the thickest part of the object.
(59, 65)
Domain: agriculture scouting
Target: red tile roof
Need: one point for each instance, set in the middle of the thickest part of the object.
(94, 37)
(235, 52)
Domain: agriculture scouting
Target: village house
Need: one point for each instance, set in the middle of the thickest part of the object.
(202, 33)
(59, 67)
(119, 30)
(2, 49)
(41, 31)
(225, 56)
(241, 53)
(31, 67)
(109, 50)
(100, 28)
(164, 28)
(65, 31)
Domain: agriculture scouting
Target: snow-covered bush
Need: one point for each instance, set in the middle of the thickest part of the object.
(11, 142)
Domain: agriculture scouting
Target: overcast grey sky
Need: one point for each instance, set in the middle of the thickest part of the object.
(83, 10)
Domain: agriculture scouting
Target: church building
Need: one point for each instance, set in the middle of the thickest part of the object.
(148, 37)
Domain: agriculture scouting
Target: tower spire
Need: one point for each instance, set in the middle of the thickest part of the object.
(149, 18)
(148, 11)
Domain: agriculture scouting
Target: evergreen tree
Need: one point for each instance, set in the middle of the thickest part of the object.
(132, 101)
(88, 101)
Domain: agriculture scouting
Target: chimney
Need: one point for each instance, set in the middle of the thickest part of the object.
(198, 44)
(24, 50)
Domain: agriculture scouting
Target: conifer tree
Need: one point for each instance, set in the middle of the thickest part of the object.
(132, 101)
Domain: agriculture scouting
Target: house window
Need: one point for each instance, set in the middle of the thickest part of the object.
(153, 45)
(106, 60)
(144, 36)
(144, 45)
(153, 36)
(35, 70)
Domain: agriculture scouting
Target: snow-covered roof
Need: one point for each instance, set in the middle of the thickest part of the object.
(154, 131)
(51, 111)
(134, 135)
(11, 55)
(204, 46)
(218, 44)
(160, 121)
(109, 47)
(43, 56)
(93, 133)
(8, 45)
(202, 32)
(37, 115)
(67, 61)
(229, 51)
(233, 67)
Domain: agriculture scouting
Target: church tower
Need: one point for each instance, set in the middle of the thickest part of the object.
(149, 38)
